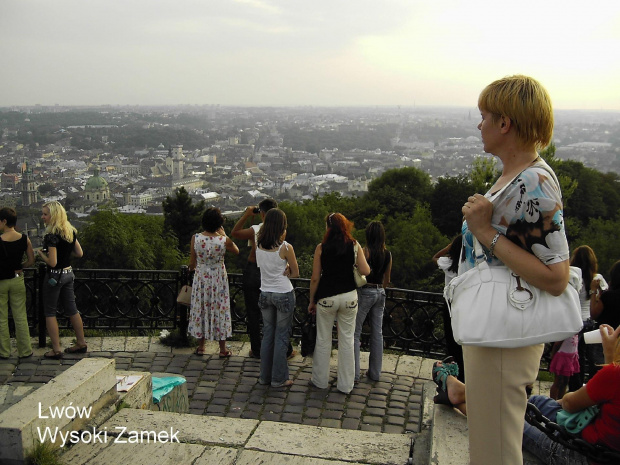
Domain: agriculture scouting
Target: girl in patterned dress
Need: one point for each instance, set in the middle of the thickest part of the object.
(210, 303)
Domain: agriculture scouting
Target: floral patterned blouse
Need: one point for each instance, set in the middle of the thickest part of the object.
(529, 213)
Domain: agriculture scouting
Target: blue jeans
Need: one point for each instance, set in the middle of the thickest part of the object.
(537, 442)
(370, 302)
(277, 310)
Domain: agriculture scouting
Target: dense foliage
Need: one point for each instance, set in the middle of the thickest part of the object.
(419, 217)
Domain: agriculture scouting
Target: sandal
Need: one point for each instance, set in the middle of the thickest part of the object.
(52, 354)
(441, 372)
(225, 354)
(285, 384)
(442, 398)
(76, 349)
(199, 351)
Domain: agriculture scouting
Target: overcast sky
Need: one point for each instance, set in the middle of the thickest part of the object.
(305, 52)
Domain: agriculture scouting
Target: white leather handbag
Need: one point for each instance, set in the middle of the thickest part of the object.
(493, 307)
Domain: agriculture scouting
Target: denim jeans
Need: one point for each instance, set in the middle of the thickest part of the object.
(13, 292)
(62, 290)
(343, 308)
(278, 310)
(537, 442)
(371, 302)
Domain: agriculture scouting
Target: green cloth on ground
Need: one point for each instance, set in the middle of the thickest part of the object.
(162, 386)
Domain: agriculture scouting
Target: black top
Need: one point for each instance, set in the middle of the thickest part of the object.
(377, 270)
(63, 250)
(611, 308)
(337, 271)
(12, 256)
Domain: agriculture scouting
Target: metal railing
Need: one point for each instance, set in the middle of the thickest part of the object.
(146, 300)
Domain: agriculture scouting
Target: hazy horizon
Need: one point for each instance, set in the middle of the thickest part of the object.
(281, 53)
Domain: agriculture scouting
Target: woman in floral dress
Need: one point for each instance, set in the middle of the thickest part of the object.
(210, 306)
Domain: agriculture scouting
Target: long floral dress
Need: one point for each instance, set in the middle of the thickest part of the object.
(210, 305)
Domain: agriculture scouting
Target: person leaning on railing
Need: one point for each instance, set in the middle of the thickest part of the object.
(12, 287)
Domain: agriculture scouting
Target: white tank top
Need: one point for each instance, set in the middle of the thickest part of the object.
(272, 268)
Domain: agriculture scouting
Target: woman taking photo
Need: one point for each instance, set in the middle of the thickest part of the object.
(333, 296)
(209, 317)
(59, 245)
(522, 228)
(277, 297)
(371, 299)
(12, 287)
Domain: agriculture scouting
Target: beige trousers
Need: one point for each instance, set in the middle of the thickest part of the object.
(496, 401)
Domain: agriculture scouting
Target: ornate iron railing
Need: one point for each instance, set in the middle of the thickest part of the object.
(146, 300)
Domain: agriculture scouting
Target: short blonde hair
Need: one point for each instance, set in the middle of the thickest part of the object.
(526, 102)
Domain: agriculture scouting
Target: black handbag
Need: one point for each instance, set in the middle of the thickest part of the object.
(308, 336)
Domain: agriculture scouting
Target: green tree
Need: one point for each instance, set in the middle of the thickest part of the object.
(182, 217)
(399, 191)
(413, 240)
(449, 195)
(483, 174)
(134, 242)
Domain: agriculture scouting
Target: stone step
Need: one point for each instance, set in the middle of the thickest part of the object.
(219, 440)
(449, 440)
(89, 385)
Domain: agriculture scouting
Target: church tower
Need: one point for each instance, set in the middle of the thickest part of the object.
(27, 185)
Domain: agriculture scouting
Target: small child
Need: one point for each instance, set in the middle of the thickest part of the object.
(564, 364)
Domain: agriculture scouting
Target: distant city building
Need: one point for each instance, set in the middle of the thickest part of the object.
(28, 186)
(96, 189)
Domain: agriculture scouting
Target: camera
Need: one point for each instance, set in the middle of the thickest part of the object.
(256, 210)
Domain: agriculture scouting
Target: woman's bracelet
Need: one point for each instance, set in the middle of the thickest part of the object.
(494, 243)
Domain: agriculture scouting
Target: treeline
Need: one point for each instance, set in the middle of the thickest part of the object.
(419, 217)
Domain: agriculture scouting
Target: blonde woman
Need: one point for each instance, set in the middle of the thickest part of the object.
(522, 228)
(59, 245)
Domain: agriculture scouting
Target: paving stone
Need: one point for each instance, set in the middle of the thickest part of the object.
(274, 407)
(351, 423)
(353, 413)
(312, 413)
(213, 409)
(373, 428)
(393, 429)
(296, 399)
(372, 420)
(312, 421)
(333, 414)
(270, 416)
(293, 409)
(249, 414)
(379, 412)
(395, 420)
(377, 404)
(396, 412)
(330, 423)
(216, 401)
(334, 406)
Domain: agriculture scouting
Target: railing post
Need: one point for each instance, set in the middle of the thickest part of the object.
(183, 315)
(38, 282)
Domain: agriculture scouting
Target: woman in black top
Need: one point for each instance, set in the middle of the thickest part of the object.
(12, 288)
(333, 296)
(371, 299)
(61, 244)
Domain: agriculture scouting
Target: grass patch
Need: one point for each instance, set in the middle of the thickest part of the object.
(121, 405)
(175, 339)
(44, 454)
(545, 376)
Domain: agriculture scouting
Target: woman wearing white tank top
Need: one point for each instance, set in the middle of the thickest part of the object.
(277, 262)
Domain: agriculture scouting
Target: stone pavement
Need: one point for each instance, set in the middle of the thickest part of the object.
(228, 387)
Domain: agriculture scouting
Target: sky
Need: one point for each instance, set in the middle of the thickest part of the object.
(305, 52)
